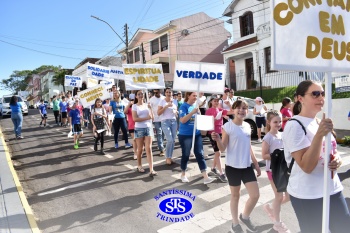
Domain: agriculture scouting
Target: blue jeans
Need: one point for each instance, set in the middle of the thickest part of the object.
(186, 144)
(309, 214)
(169, 128)
(159, 133)
(17, 120)
(117, 124)
(87, 116)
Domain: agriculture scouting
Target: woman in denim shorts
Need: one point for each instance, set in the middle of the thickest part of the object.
(143, 116)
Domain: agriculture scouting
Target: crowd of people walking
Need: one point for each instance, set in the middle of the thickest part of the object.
(173, 115)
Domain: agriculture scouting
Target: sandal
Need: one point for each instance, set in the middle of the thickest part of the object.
(153, 173)
(140, 170)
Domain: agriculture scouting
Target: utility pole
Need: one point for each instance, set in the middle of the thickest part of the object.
(126, 43)
(143, 54)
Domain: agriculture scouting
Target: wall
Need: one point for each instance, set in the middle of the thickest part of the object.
(340, 110)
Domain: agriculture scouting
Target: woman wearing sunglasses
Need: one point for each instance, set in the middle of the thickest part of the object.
(305, 185)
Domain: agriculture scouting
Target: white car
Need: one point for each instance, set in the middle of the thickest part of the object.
(5, 105)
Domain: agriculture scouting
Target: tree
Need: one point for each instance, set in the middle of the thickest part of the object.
(17, 81)
(58, 78)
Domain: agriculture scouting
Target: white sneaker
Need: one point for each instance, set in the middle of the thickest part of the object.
(209, 180)
(259, 140)
(184, 179)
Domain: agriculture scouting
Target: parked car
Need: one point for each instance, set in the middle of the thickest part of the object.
(5, 105)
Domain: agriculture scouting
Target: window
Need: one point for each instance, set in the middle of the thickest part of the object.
(246, 24)
(155, 46)
(131, 57)
(268, 60)
(164, 42)
(137, 54)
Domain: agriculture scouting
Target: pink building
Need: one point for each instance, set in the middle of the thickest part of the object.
(197, 38)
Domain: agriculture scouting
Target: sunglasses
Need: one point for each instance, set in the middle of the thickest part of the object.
(316, 94)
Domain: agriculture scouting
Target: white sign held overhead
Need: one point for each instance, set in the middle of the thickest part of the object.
(209, 76)
(310, 36)
(97, 71)
(91, 82)
(143, 76)
(88, 97)
(72, 81)
(108, 83)
(117, 72)
(342, 83)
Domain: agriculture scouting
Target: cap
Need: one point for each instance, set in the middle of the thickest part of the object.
(258, 99)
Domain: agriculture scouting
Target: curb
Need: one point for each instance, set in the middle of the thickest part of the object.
(25, 204)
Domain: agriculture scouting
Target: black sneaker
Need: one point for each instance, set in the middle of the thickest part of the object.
(213, 172)
(248, 223)
(237, 229)
(223, 178)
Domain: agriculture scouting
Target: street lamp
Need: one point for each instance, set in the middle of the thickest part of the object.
(95, 17)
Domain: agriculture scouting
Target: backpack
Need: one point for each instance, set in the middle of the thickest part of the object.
(279, 167)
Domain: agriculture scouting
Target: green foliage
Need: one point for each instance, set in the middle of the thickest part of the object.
(346, 140)
(277, 94)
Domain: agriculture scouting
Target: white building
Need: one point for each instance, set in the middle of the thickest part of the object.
(48, 88)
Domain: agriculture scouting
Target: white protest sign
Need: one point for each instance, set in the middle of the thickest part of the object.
(72, 81)
(209, 76)
(143, 76)
(88, 96)
(310, 35)
(116, 72)
(108, 83)
(92, 82)
(204, 122)
(342, 83)
(97, 71)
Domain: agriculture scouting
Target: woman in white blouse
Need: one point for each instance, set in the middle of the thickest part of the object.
(143, 116)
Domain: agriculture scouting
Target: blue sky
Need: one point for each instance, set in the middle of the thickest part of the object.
(42, 32)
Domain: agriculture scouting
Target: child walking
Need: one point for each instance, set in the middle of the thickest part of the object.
(239, 158)
(218, 114)
(75, 124)
(98, 113)
(43, 112)
(271, 142)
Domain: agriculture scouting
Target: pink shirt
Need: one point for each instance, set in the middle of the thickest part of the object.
(286, 112)
(217, 123)
(131, 122)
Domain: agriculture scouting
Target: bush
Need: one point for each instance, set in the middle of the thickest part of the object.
(346, 140)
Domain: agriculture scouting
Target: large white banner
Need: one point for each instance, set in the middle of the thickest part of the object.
(310, 35)
(88, 96)
(108, 83)
(72, 81)
(97, 71)
(209, 76)
(116, 72)
(143, 76)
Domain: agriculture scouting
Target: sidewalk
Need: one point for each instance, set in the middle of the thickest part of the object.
(13, 217)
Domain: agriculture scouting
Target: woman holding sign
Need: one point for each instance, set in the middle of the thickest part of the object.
(167, 111)
(143, 116)
(187, 116)
(118, 107)
(305, 185)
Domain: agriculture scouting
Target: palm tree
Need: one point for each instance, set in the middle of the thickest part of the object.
(58, 78)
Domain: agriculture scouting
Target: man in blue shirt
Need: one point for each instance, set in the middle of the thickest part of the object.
(75, 126)
(43, 112)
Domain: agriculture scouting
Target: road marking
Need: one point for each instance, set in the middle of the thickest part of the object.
(83, 183)
(146, 164)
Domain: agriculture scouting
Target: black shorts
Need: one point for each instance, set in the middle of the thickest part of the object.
(64, 115)
(236, 175)
(44, 116)
(131, 130)
(76, 129)
(260, 121)
(213, 143)
(202, 110)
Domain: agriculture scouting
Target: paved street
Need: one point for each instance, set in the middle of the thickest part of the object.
(80, 191)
